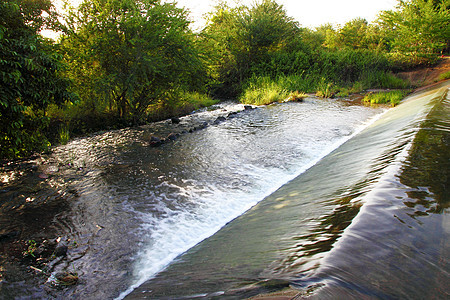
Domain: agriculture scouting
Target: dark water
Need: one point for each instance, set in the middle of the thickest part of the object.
(128, 211)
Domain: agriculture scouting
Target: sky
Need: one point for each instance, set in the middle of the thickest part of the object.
(309, 13)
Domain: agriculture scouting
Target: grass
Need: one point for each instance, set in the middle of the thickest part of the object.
(296, 96)
(63, 135)
(263, 90)
(264, 95)
(31, 248)
(393, 97)
(382, 79)
(185, 103)
(325, 89)
(196, 100)
(444, 76)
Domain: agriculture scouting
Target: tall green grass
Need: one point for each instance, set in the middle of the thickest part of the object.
(263, 90)
(393, 97)
(444, 76)
(63, 135)
(382, 79)
(324, 89)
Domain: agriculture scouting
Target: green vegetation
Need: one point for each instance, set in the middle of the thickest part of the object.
(128, 62)
(393, 97)
(444, 76)
(31, 248)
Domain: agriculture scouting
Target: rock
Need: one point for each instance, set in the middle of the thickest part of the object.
(172, 137)
(232, 114)
(248, 107)
(175, 120)
(219, 120)
(155, 141)
(201, 126)
(61, 250)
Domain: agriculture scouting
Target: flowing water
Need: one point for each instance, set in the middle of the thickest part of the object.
(244, 206)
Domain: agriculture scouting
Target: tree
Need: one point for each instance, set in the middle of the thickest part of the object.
(418, 29)
(245, 37)
(29, 75)
(132, 53)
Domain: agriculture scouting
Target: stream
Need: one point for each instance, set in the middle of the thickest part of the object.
(325, 196)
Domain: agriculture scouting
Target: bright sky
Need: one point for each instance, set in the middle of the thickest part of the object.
(309, 13)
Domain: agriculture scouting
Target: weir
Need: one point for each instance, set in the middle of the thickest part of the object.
(368, 220)
(327, 198)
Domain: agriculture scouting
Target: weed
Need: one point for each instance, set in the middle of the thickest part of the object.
(31, 249)
(296, 96)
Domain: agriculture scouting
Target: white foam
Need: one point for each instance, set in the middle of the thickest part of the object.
(171, 237)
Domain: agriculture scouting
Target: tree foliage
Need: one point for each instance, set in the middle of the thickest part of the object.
(245, 37)
(131, 53)
(29, 75)
(418, 29)
(127, 59)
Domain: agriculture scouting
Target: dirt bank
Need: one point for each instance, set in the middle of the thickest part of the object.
(428, 75)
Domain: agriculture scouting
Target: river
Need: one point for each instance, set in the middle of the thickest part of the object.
(319, 195)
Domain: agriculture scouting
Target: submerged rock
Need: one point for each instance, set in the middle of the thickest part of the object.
(232, 114)
(175, 120)
(61, 250)
(156, 141)
(172, 136)
(219, 120)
